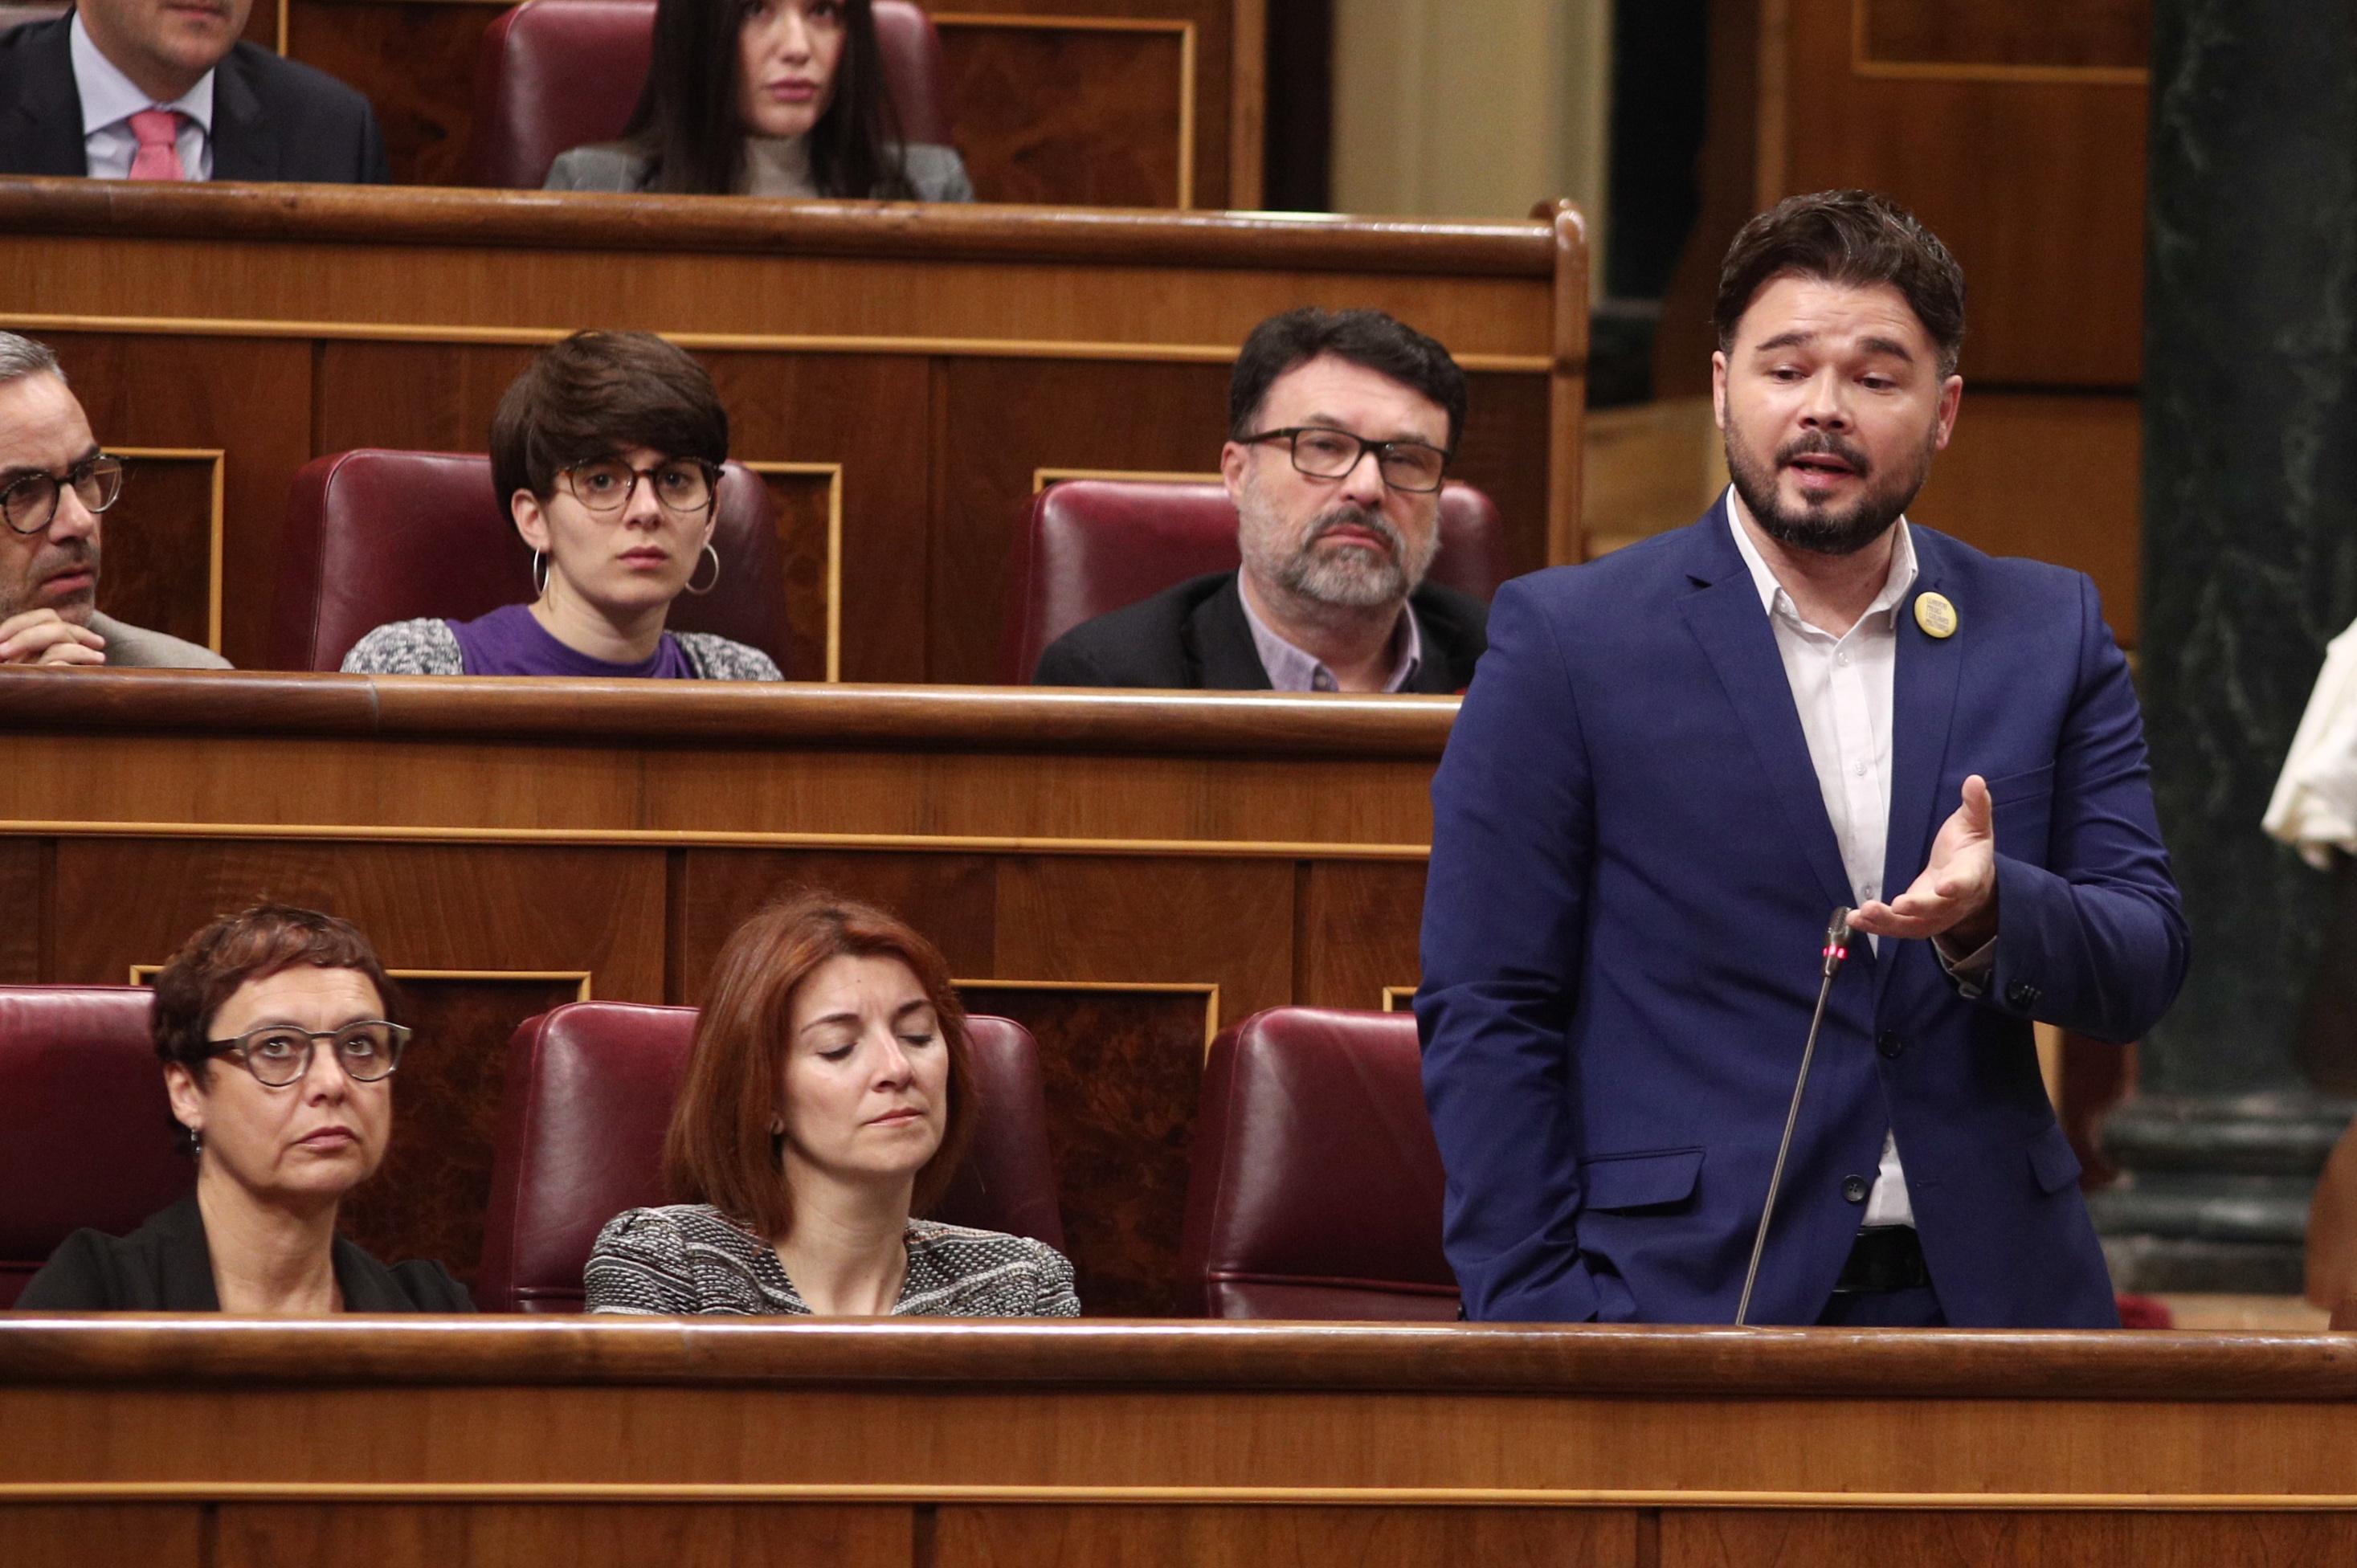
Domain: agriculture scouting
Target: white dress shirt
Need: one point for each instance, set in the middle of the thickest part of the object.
(108, 99)
(1842, 687)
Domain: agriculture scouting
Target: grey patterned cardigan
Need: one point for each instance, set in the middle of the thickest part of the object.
(691, 1258)
(430, 648)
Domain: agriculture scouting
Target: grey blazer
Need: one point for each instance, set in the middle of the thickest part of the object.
(936, 172)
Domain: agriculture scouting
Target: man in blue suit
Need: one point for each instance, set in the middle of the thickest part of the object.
(1675, 762)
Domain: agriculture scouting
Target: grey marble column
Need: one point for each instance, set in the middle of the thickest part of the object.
(2250, 567)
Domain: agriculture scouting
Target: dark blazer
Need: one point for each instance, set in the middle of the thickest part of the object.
(165, 1266)
(1195, 638)
(1631, 871)
(272, 119)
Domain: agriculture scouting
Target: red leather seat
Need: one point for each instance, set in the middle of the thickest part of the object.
(1314, 1186)
(588, 1093)
(553, 74)
(375, 536)
(1093, 545)
(87, 1140)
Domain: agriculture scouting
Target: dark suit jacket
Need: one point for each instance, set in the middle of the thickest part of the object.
(1631, 871)
(165, 1266)
(1195, 638)
(272, 119)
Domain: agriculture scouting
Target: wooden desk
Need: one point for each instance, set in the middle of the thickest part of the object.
(239, 1443)
(905, 376)
(1124, 873)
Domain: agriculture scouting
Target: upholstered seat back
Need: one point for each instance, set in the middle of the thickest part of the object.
(375, 536)
(85, 1127)
(553, 74)
(1093, 545)
(1314, 1187)
(588, 1093)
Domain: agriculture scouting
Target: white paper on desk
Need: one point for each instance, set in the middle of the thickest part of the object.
(2314, 808)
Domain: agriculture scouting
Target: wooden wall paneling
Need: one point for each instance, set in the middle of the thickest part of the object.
(1357, 932)
(866, 413)
(1225, 174)
(1749, 1539)
(1122, 1069)
(999, 420)
(969, 1537)
(1503, 453)
(415, 60)
(164, 571)
(428, 1198)
(70, 1536)
(1096, 919)
(2087, 35)
(2079, 504)
(166, 392)
(2035, 182)
(949, 897)
(1091, 111)
(500, 1535)
(434, 907)
(24, 937)
(809, 502)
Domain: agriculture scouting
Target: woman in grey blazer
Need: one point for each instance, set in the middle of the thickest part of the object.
(805, 110)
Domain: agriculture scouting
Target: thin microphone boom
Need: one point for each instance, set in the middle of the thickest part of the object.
(1837, 949)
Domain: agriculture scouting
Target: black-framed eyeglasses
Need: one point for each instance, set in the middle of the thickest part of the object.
(1324, 453)
(683, 485)
(28, 501)
(278, 1055)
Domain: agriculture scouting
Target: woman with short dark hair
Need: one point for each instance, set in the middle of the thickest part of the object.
(279, 1034)
(605, 453)
(766, 98)
(828, 1098)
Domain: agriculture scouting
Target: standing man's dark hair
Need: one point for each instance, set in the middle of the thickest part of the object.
(1856, 238)
(1364, 337)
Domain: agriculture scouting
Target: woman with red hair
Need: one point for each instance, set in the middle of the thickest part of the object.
(828, 1098)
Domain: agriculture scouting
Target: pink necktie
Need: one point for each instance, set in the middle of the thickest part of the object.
(158, 133)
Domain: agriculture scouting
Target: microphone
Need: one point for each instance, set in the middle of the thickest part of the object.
(1838, 939)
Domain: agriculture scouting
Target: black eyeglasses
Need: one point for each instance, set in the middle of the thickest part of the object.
(278, 1055)
(683, 485)
(29, 500)
(1322, 453)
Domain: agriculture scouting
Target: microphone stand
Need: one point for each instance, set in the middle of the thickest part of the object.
(1836, 948)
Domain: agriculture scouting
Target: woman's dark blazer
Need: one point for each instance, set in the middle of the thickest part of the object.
(165, 1266)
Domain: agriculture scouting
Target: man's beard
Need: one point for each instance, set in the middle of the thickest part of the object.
(55, 561)
(1816, 526)
(1351, 577)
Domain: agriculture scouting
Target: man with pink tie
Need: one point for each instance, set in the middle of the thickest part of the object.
(164, 89)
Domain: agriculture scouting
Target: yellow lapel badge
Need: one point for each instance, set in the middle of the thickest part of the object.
(1935, 615)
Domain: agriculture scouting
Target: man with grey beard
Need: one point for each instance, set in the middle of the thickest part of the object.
(1341, 425)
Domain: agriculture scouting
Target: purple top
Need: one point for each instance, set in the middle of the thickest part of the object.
(509, 641)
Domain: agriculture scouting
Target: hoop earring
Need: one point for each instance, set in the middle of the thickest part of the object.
(539, 575)
(195, 1139)
(689, 586)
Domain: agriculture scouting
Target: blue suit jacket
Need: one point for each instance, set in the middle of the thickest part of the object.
(1632, 873)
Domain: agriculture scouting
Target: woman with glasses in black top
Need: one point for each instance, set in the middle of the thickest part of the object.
(278, 1038)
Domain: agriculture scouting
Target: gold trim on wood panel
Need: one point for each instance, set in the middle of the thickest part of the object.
(749, 342)
(625, 838)
(1208, 990)
(1394, 995)
(1863, 64)
(1770, 129)
(141, 973)
(282, 54)
(1042, 477)
(833, 472)
(1186, 34)
(219, 458)
(1349, 1497)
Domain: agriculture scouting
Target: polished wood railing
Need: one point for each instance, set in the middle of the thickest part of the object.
(394, 1441)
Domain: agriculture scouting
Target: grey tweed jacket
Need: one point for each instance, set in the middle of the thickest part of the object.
(935, 173)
